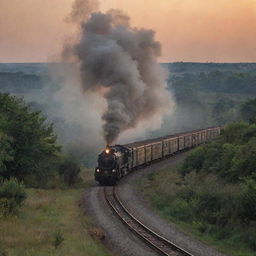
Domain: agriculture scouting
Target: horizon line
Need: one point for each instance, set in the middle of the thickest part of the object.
(198, 62)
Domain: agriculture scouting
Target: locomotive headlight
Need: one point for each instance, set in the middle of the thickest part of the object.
(98, 170)
(114, 170)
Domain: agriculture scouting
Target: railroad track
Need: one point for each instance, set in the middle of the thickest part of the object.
(160, 244)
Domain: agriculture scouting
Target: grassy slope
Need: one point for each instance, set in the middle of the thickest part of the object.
(159, 188)
(45, 213)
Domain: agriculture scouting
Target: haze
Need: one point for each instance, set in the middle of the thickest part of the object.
(189, 30)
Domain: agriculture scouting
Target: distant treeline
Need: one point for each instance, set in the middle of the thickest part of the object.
(197, 67)
(213, 77)
(205, 80)
(225, 82)
(208, 99)
(20, 82)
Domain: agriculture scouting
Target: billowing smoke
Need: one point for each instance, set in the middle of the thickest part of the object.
(120, 62)
(76, 117)
(81, 10)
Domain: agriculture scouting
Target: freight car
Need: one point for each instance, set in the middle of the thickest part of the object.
(118, 160)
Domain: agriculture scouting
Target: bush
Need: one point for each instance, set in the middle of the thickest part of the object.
(58, 239)
(70, 171)
(247, 202)
(12, 195)
(232, 156)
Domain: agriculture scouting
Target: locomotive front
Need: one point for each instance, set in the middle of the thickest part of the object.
(107, 170)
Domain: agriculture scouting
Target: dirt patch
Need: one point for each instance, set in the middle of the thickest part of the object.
(96, 233)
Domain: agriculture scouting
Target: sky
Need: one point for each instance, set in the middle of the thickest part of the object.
(189, 30)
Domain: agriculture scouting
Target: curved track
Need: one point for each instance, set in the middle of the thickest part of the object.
(157, 242)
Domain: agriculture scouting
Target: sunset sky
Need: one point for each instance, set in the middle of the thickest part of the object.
(189, 30)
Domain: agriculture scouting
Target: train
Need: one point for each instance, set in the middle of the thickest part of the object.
(117, 161)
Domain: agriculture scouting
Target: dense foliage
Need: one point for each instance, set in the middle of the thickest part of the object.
(232, 156)
(28, 147)
(225, 173)
(214, 190)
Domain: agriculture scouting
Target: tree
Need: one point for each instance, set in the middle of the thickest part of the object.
(26, 139)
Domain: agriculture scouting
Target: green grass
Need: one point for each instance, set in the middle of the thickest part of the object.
(162, 191)
(46, 217)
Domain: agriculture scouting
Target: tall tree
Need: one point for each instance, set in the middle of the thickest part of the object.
(26, 139)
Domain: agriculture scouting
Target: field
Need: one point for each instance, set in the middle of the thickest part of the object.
(49, 223)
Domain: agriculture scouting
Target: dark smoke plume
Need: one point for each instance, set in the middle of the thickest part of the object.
(121, 61)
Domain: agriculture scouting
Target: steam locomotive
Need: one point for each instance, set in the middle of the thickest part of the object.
(118, 160)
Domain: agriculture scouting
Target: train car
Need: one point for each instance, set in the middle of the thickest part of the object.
(200, 141)
(134, 157)
(141, 156)
(194, 139)
(166, 147)
(157, 150)
(203, 134)
(208, 134)
(188, 141)
(174, 145)
(148, 152)
(181, 143)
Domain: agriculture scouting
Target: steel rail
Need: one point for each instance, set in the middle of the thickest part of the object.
(156, 241)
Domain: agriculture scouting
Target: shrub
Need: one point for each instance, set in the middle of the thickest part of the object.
(233, 132)
(70, 171)
(12, 195)
(58, 239)
(193, 162)
(247, 202)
